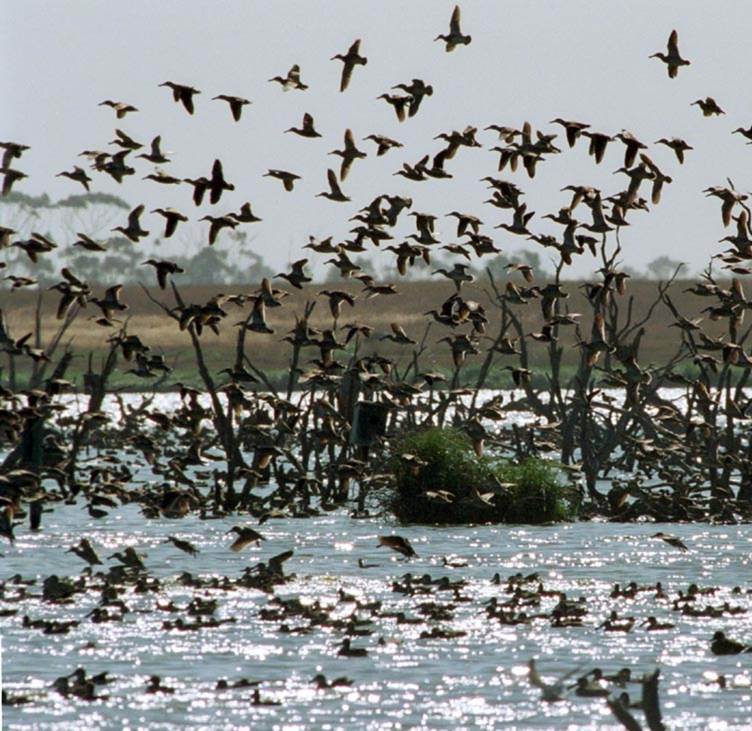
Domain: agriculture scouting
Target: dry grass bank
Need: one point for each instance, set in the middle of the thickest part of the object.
(405, 308)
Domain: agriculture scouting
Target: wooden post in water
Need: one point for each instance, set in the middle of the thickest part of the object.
(368, 425)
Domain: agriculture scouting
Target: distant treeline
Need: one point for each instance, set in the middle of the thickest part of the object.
(232, 260)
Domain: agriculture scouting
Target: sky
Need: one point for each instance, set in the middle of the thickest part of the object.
(528, 60)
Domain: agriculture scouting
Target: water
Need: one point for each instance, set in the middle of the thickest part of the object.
(477, 680)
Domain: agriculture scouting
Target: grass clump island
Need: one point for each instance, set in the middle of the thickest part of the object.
(439, 478)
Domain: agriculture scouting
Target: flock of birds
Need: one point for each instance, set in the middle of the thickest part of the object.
(464, 319)
(437, 606)
(377, 220)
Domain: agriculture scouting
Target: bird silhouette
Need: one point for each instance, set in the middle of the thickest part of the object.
(455, 36)
(350, 60)
(672, 59)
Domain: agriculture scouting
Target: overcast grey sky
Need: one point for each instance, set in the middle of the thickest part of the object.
(529, 60)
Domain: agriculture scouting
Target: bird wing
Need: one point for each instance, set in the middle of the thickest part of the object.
(217, 176)
(71, 277)
(347, 70)
(454, 23)
(333, 183)
(134, 215)
(673, 44)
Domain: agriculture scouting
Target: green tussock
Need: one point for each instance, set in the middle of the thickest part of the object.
(530, 491)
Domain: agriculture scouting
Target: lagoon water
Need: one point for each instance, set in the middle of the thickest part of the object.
(474, 681)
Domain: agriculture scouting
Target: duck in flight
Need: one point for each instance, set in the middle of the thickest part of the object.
(455, 37)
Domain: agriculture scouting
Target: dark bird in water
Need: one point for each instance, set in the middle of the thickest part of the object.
(155, 686)
(671, 540)
(288, 179)
(182, 94)
(672, 59)
(185, 546)
(709, 106)
(346, 650)
(722, 645)
(291, 81)
(246, 536)
(323, 684)
(351, 59)
(399, 544)
(653, 625)
(236, 104)
(133, 231)
(257, 700)
(455, 37)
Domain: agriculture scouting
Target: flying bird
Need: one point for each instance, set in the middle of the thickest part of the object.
(133, 230)
(671, 540)
(182, 94)
(455, 37)
(307, 129)
(246, 536)
(236, 104)
(709, 107)
(121, 108)
(351, 59)
(291, 81)
(288, 179)
(672, 59)
(398, 544)
(335, 192)
(349, 154)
